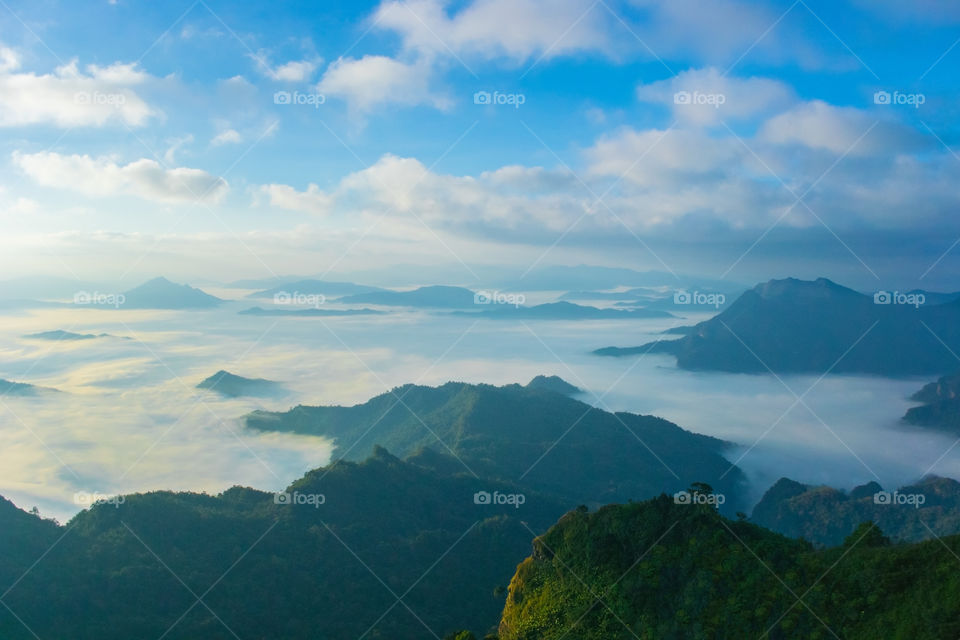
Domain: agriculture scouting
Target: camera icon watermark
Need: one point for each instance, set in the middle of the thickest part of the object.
(498, 98)
(299, 499)
(100, 98)
(699, 99)
(499, 297)
(299, 98)
(895, 297)
(497, 498)
(300, 299)
(684, 297)
(897, 98)
(895, 498)
(87, 498)
(687, 497)
(115, 300)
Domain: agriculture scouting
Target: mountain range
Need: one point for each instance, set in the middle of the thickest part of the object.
(327, 557)
(658, 569)
(826, 516)
(817, 326)
(539, 438)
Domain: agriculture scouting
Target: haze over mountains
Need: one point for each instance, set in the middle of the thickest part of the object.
(815, 327)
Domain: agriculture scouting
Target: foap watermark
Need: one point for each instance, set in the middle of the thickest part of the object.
(715, 300)
(896, 498)
(88, 498)
(695, 497)
(99, 98)
(498, 98)
(901, 99)
(299, 98)
(698, 98)
(297, 298)
(895, 297)
(114, 300)
(499, 297)
(497, 498)
(299, 499)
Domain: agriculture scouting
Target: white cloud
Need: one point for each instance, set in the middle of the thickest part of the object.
(142, 178)
(69, 97)
(313, 200)
(514, 29)
(169, 156)
(371, 81)
(706, 96)
(9, 59)
(819, 125)
(292, 71)
(227, 136)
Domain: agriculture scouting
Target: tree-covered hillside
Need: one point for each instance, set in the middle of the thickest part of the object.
(659, 570)
(542, 439)
(308, 567)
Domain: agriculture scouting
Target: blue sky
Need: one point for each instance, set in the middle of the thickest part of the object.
(143, 138)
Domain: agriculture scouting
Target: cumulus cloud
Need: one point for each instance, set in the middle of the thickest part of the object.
(143, 178)
(313, 200)
(371, 81)
(291, 71)
(819, 125)
(707, 96)
(70, 97)
(514, 29)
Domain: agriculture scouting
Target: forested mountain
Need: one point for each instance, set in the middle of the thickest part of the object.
(825, 516)
(325, 559)
(659, 570)
(941, 405)
(814, 326)
(540, 438)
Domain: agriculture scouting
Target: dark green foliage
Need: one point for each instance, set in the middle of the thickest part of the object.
(547, 441)
(658, 570)
(826, 516)
(287, 571)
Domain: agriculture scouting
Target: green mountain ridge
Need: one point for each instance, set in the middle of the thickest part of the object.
(275, 565)
(659, 570)
(545, 440)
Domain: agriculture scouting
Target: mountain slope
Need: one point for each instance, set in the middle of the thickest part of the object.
(661, 570)
(160, 293)
(234, 386)
(547, 441)
(826, 516)
(801, 326)
(294, 570)
(941, 405)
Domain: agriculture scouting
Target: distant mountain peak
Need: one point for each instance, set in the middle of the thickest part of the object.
(555, 384)
(161, 293)
(232, 385)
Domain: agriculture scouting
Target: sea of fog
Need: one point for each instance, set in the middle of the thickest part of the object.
(128, 417)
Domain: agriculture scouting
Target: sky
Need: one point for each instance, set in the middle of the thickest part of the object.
(223, 140)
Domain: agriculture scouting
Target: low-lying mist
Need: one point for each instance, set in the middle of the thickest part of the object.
(129, 418)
